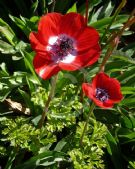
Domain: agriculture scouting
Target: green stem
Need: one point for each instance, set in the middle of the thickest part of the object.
(53, 86)
(86, 123)
(108, 54)
(86, 14)
(43, 6)
(53, 5)
(122, 4)
(26, 55)
(129, 22)
(11, 158)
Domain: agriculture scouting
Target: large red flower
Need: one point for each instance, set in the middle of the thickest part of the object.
(63, 42)
(104, 91)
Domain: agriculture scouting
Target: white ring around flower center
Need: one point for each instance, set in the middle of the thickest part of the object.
(62, 48)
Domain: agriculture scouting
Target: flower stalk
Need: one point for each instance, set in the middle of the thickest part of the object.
(114, 40)
(53, 5)
(86, 123)
(130, 21)
(53, 86)
(107, 56)
(122, 4)
(87, 9)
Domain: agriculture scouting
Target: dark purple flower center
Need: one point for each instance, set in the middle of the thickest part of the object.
(102, 94)
(62, 46)
(66, 44)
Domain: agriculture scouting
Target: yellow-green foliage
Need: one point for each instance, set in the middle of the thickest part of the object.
(24, 135)
(89, 154)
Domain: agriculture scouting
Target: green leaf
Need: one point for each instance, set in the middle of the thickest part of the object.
(44, 159)
(132, 118)
(108, 116)
(114, 151)
(107, 10)
(130, 102)
(6, 48)
(126, 133)
(95, 2)
(49, 1)
(126, 136)
(124, 58)
(63, 6)
(126, 122)
(60, 145)
(72, 9)
(102, 23)
(26, 98)
(34, 6)
(4, 70)
(21, 46)
(102, 12)
(21, 24)
(116, 13)
(128, 74)
(128, 90)
(11, 159)
(34, 19)
(129, 49)
(7, 84)
(6, 30)
(43, 5)
(118, 65)
(28, 61)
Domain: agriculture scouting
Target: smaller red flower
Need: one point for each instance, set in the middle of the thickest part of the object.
(104, 91)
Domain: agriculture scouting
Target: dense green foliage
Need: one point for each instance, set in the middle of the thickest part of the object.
(109, 141)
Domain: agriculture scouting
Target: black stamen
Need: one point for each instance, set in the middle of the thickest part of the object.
(102, 94)
(64, 46)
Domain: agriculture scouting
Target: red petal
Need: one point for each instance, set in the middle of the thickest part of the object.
(101, 80)
(107, 104)
(72, 23)
(90, 93)
(49, 26)
(35, 43)
(112, 86)
(82, 60)
(87, 39)
(70, 66)
(44, 68)
(114, 90)
(88, 90)
(92, 55)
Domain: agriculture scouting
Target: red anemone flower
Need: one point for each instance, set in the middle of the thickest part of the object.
(63, 42)
(104, 91)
